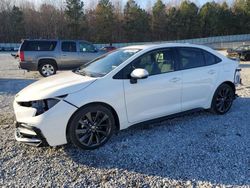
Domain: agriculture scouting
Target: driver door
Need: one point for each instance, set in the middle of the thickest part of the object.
(159, 94)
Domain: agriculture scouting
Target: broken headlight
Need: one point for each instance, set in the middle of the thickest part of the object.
(43, 105)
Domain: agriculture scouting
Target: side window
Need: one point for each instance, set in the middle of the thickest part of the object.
(86, 47)
(190, 58)
(47, 45)
(156, 62)
(31, 46)
(210, 58)
(38, 45)
(68, 46)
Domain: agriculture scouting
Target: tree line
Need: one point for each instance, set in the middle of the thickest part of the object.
(110, 21)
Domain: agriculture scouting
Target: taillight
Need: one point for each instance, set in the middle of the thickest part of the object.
(21, 55)
(237, 79)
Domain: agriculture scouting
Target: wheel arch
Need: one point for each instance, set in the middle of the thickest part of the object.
(228, 83)
(117, 121)
(47, 59)
(231, 84)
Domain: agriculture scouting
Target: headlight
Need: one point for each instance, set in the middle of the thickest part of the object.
(42, 106)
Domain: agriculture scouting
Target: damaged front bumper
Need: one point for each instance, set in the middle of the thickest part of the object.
(29, 135)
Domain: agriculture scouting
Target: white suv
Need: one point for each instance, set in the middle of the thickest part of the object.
(127, 86)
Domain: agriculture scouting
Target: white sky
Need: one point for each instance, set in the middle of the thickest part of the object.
(91, 3)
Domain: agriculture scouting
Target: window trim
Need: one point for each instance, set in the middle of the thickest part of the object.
(69, 42)
(25, 44)
(215, 56)
(178, 57)
(203, 51)
(88, 43)
(121, 74)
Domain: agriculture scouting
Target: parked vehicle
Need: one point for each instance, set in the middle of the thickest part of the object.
(125, 87)
(48, 56)
(241, 52)
(8, 49)
(108, 48)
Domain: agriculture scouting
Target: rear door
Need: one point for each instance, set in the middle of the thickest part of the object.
(199, 76)
(69, 55)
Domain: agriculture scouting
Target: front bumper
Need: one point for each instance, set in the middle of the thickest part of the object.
(47, 128)
(29, 135)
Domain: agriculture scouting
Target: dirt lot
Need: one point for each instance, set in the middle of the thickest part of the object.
(197, 150)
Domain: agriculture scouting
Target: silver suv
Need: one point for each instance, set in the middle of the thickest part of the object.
(48, 56)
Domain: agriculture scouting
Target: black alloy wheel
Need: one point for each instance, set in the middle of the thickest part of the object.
(91, 127)
(223, 99)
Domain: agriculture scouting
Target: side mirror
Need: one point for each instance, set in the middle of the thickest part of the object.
(138, 74)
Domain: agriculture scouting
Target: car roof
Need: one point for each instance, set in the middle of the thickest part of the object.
(165, 45)
(63, 40)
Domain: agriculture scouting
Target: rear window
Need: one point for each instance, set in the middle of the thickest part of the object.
(38, 45)
(190, 58)
(211, 59)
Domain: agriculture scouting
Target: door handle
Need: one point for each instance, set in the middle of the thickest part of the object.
(175, 79)
(64, 55)
(211, 71)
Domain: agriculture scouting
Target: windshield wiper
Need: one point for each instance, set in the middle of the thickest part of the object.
(84, 73)
(80, 72)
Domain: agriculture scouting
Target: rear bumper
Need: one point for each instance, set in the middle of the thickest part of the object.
(29, 135)
(27, 66)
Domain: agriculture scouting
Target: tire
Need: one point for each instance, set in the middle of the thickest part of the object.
(47, 68)
(91, 127)
(222, 99)
(247, 58)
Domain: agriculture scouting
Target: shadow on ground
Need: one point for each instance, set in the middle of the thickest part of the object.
(13, 86)
(199, 147)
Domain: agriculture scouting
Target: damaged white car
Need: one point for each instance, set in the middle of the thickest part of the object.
(128, 86)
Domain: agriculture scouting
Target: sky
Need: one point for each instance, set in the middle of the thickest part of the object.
(143, 3)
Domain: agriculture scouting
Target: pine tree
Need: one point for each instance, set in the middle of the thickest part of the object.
(159, 21)
(17, 24)
(104, 25)
(74, 13)
(136, 23)
(188, 20)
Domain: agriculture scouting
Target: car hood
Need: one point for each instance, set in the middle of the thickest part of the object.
(54, 86)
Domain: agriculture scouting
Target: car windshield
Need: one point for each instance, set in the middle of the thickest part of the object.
(104, 64)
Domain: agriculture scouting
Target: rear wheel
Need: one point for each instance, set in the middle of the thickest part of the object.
(47, 69)
(91, 127)
(247, 58)
(223, 99)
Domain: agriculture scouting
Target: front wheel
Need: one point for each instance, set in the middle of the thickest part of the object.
(91, 127)
(223, 99)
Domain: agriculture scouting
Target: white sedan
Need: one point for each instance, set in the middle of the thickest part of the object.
(128, 86)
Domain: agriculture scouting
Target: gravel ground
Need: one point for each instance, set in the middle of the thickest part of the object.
(196, 150)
